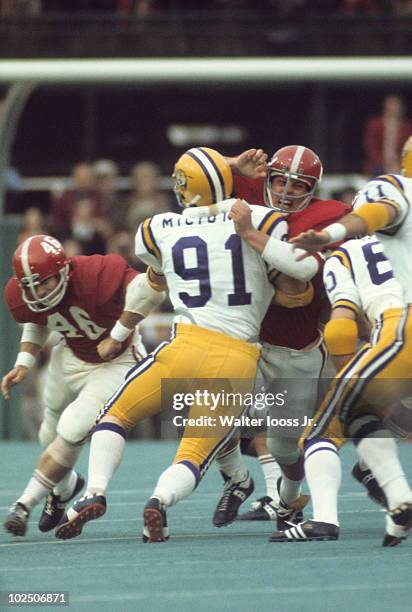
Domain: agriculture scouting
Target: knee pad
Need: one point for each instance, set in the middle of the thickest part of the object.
(48, 428)
(63, 452)
(284, 450)
(76, 422)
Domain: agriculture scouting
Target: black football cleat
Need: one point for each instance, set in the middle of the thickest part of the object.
(390, 541)
(88, 508)
(154, 522)
(292, 512)
(308, 531)
(53, 510)
(395, 534)
(263, 509)
(16, 521)
(402, 515)
(234, 494)
(368, 480)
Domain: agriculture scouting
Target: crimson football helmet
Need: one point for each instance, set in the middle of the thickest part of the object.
(37, 259)
(294, 163)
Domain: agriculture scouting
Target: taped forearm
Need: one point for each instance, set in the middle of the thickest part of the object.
(36, 334)
(140, 297)
(280, 255)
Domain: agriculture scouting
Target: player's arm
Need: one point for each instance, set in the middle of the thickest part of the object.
(250, 163)
(341, 336)
(367, 219)
(276, 253)
(341, 331)
(33, 338)
(140, 299)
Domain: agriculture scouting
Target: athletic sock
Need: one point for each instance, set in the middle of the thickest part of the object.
(64, 489)
(381, 455)
(38, 487)
(176, 483)
(323, 474)
(289, 489)
(232, 464)
(271, 473)
(106, 453)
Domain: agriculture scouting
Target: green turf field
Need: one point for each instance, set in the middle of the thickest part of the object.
(202, 568)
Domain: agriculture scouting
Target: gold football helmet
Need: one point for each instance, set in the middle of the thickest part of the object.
(202, 177)
(407, 158)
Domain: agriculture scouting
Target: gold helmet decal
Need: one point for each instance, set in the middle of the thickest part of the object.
(407, 158)
(202, 177)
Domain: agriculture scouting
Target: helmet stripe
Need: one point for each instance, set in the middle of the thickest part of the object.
(211, 171)
(219, 174)
(25, 256)
(294, 168)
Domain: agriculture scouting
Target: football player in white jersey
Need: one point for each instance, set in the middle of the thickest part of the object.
(220, 289)
(382, 206)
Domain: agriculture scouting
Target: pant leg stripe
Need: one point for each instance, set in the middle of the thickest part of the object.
(137, 371)
(221, 444)
(344, 380)
(377, 365)
(349, 395)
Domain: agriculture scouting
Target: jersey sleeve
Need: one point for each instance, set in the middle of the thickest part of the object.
(146, 247)
(387, 189)
(339, 284)
(270, 222)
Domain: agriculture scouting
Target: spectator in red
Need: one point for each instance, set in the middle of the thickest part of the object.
(384, 135)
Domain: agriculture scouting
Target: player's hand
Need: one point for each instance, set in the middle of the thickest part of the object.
(109, 348)
(311, 242)
(250, 163)
(14, 377)
(241, 215)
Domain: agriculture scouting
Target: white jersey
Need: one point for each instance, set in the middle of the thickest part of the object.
(215, 280)
(357, 275)
(395, 190)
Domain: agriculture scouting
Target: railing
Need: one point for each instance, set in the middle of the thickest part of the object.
(203, 33)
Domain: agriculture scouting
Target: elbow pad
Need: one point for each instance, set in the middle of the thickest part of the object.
(341, 336)
(140, 297)
(280, 255)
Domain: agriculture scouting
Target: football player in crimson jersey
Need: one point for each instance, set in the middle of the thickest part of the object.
(293, 347)
(94, 303)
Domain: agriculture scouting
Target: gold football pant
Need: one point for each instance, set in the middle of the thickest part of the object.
(378, 375)
(228, 364)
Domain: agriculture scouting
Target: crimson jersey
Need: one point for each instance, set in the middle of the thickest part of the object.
(93, 302)
(294, 328)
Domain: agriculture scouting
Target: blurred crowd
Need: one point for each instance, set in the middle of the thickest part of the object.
(145, 8)
(92, 216)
